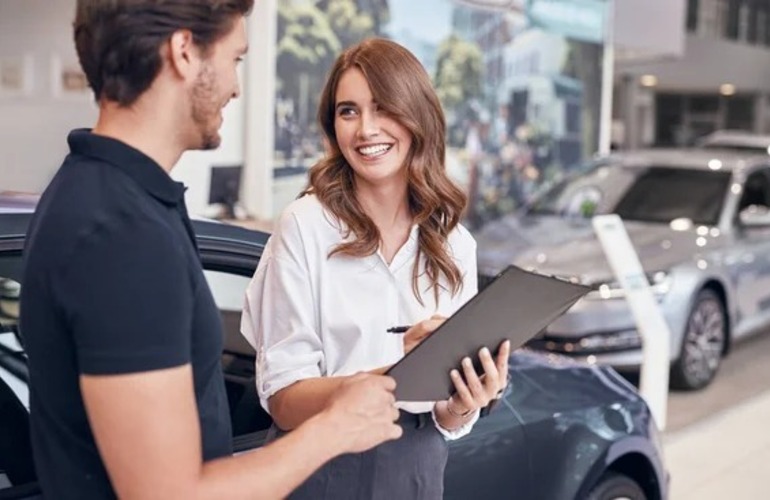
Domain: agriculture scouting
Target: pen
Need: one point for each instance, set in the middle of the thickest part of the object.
(398, 329)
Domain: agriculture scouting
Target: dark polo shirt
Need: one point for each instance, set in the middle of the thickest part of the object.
(112, 284)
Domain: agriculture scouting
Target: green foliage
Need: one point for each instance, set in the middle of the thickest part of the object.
(458, 72)
(306, 40)
(311, 33)
(349, 23)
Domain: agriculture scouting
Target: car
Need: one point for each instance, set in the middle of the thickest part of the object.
(700, 223)
(736, 140)
(561, 431)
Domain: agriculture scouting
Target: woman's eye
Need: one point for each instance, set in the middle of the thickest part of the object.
(346, 112)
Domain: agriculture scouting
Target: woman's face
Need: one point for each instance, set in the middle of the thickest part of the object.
(374, 144)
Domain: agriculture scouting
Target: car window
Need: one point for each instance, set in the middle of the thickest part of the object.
(663, 194)
(12, 362)
(229, 290)
(16, 466)
(586, 194)
(756, 190)
(247, 416)
(651, 194)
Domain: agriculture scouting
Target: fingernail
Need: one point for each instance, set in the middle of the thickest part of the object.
(467, 361)
(454, 373)
(485, 351)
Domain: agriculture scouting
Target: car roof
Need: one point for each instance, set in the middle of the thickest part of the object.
(691, 158)
(16, 202)
(14, 223)
(736, 139)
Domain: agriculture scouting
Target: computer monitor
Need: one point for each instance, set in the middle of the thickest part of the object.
(225, 187)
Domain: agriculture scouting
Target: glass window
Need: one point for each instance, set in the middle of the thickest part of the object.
(13, 370)
(228, 290)
(696, 195)
(653, 194)
(584, 194)
(692, 15)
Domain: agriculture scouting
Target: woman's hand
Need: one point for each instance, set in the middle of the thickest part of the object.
(421, 331)
(473, 392)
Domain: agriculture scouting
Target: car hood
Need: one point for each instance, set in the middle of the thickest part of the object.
(570, 248)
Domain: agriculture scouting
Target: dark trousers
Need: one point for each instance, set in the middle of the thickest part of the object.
(411, 467)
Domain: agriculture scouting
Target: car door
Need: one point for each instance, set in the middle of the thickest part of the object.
(17, 473)
(491, 462)
(748, 259)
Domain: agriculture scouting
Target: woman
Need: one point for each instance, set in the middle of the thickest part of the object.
(374, 242)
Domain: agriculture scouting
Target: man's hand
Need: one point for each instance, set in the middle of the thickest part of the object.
(421, 331)
(362, 411)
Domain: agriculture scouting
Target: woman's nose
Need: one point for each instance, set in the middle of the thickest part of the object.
(370, 126)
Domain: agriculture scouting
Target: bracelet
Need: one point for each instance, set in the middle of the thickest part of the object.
(454, 413)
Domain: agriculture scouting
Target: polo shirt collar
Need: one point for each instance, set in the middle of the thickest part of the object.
(141, 168)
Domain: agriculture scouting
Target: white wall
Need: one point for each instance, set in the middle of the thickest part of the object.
(708, 63)
(33, 128)
(648, 29)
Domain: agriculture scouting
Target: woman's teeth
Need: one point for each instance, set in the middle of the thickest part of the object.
(375, 150)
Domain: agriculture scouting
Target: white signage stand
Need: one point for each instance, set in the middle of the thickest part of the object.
(652, 327)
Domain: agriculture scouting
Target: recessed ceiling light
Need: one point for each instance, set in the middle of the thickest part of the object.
(648, 80)
(727, 89)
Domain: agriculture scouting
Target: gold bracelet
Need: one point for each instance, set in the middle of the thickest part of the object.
(454, 413)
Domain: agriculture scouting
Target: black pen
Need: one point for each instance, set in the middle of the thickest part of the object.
(398, 329)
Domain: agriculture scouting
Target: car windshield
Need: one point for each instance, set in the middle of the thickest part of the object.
(652, 194)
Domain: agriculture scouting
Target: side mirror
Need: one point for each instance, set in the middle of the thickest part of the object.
(755, 216)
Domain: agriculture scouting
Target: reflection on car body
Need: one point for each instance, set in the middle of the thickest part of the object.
(700, 222)
(562, 430)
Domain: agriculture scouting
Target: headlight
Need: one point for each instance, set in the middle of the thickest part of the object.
(660, 284)
(616, 341)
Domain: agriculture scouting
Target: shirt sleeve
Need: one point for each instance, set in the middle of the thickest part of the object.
(127, 296)
(279, 314)
(461, 431)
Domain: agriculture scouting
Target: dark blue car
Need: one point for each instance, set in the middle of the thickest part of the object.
(562, 431)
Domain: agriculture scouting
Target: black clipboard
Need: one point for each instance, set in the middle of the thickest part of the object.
(516, 305)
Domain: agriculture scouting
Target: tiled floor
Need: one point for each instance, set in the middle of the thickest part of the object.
(723, 457)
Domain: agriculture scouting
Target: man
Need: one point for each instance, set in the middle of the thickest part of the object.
(124, 339)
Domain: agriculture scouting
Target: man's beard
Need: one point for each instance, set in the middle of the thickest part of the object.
(205, 109)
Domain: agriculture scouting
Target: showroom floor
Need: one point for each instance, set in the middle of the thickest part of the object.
(724, 456)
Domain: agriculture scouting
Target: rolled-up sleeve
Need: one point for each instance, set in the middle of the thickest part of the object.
(279, 314)
(463, 430)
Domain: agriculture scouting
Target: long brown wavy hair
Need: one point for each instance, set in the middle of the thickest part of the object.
(402, 90)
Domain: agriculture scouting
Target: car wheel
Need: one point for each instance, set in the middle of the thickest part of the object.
(614, 486)
(703, 343)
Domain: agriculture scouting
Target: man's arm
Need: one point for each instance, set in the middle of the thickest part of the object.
(293, 405)
(147, 431)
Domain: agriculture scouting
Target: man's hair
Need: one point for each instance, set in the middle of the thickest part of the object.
(118, 41)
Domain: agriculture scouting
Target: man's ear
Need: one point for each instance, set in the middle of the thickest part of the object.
(183, 54)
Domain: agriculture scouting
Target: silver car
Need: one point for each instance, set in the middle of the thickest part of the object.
(700, 223)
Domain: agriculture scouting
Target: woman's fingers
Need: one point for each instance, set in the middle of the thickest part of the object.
(503, 353)
(491, 373)
(420, 331)
(461, 391)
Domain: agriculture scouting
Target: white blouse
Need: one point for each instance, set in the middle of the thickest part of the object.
(308, 315)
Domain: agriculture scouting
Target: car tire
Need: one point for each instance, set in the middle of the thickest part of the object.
(615, 486)
(703, 343)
